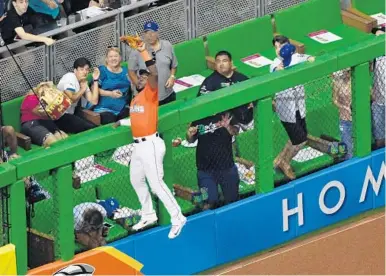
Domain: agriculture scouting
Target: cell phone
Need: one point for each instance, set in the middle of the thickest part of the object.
(108, 225)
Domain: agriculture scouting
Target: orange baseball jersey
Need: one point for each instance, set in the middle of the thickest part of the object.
(144, 112)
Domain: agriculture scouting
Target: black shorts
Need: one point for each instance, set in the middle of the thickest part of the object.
(38, 130)
(297, 131)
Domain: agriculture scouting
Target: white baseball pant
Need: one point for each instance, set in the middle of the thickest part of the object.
(147, 161)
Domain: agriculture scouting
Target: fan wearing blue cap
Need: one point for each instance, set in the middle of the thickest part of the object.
(166, 62)
(290, 105)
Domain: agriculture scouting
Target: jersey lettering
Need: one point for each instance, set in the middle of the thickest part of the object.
(137, 109)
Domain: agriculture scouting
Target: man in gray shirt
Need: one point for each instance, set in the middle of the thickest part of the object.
(166, 62)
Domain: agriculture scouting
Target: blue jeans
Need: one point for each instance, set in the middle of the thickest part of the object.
(228, 180)
(346, 134)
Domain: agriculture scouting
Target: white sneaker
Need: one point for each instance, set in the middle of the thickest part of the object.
(176, 229)
(144, 223)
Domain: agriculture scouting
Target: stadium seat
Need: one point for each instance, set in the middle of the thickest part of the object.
(11, 117)
(191, 60)
(245, 39)
(369, 7)
(298, 22)
(359, 14)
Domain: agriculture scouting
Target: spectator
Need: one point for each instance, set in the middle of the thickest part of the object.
(290, 105)
(225, 76)
(114, 89)
(378, 96)
(12, 25)
(342, 99)
(166, 62)
(10, 140)
(88, 224)
(46, 11)
(214, 154)
(35, 123)
(77, 5)
(75, 85)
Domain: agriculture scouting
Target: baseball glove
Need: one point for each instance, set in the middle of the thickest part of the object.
(133, 41)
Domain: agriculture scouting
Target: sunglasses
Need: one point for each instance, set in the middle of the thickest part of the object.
(109, 47)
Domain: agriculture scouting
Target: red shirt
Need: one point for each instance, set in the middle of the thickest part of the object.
(144, 112)
(29, 103)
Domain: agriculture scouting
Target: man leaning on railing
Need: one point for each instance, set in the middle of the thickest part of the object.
(12, 28)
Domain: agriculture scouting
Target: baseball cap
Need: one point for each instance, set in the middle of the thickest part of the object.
(110, 205)
(286, 53)
(151, 26)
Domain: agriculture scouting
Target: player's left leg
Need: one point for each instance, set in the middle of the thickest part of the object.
(153, 162)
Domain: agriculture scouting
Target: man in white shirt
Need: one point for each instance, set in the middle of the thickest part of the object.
(378, 96)
(75, 85)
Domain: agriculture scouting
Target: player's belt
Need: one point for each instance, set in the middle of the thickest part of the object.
(143, 139)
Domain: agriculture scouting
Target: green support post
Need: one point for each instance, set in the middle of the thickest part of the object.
(163, 215)
(361, 115)
(264, 125)
(19, 225)
(64, 239)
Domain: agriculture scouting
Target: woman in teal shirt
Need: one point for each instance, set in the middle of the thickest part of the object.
(114, 89)
(46, 11)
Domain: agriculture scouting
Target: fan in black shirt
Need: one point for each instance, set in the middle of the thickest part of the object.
(13, 25)
(214, 154)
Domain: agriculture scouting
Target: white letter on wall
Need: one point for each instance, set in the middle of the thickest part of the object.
(342, 195)
(287, 213)
(375, 184)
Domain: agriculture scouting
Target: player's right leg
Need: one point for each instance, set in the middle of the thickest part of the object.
(137, 178)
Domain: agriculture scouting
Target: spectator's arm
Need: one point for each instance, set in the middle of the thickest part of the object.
(133, 67)
(133, 77)
(39, 111)
(36, 38)
(93, 95)
(76, 95)
(191, 134)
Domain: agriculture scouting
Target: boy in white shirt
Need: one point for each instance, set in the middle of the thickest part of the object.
(75, 86)
(290, 106)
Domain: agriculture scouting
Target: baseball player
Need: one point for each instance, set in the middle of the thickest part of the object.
(149, 148)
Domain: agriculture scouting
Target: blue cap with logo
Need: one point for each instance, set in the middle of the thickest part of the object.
(286, 53)
(150, 26)
(110, 205)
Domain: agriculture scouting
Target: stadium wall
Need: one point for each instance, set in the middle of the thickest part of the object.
(263, 221)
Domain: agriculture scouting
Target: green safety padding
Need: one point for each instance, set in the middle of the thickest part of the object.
(243, 39)
(308, 17)
(369, 7)
(290, 22)
(349, 35)
(191, 57)
(11, 113)
(7, 174)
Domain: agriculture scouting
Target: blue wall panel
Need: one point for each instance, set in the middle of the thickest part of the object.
(191, 252)
(257, 223)
(378, 161)
(350, 174)
(126, 246)
(251, 225)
